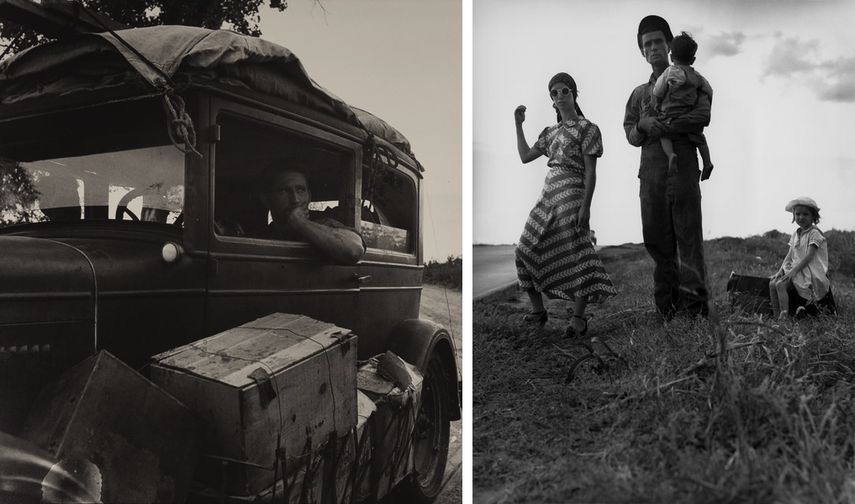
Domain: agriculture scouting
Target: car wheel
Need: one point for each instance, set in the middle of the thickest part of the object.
(430, 436)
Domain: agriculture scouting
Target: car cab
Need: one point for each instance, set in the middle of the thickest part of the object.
(133, 216)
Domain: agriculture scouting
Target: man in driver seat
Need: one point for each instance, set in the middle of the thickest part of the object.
(285, 192)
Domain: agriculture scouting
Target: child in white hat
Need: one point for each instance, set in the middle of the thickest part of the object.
(806, 264)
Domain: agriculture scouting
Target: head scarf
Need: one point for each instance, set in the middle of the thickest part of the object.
(567, 80)
(653, 23)
(563, 78)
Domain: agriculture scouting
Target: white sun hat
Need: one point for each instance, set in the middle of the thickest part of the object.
(803, 201)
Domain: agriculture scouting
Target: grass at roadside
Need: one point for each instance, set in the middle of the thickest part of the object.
(770, 420)
(448, 274)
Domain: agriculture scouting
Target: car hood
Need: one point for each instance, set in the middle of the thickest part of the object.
(44, 280)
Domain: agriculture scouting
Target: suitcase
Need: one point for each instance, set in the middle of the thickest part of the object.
(284, 380)
(749, 294)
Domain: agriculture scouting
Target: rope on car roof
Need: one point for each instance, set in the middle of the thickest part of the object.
(180, 127)
(180, 124)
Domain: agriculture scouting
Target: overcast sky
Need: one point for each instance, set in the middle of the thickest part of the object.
(400, 60)
(783, 74)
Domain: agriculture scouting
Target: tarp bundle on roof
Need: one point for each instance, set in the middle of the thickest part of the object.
(90, 62)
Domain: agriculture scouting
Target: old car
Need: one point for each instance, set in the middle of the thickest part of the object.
(132, 166)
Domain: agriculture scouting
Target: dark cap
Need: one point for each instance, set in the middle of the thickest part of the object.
(653, 23)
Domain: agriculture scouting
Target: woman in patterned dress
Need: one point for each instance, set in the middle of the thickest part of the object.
(555, 255)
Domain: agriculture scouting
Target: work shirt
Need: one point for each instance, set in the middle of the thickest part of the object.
(638, 107)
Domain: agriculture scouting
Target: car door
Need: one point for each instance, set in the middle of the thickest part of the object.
(391, 271)
(252, 272)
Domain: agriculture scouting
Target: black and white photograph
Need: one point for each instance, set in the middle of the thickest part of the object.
(451, 252)
(663, 251)
(231, 242)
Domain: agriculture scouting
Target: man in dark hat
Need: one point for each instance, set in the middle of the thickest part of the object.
(670, 203)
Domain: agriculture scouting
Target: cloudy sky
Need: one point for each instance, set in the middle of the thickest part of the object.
(783, 74)
(400, 60)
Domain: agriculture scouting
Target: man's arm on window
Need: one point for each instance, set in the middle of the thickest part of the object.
(341, 244)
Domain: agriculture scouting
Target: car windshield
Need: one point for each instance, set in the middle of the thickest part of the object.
(134, 185)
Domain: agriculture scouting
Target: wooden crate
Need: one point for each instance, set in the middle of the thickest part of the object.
(282, 380)
(352, 470)
(348, 473)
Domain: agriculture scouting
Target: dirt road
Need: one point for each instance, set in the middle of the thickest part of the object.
(444, 306)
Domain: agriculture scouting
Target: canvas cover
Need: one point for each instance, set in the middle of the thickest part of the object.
(94, 61)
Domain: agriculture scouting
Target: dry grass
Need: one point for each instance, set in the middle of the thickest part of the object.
(730, 409)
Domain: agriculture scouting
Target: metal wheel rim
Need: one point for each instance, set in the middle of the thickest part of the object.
(429, 430)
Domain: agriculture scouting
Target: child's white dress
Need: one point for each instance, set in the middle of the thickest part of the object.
(811, 282)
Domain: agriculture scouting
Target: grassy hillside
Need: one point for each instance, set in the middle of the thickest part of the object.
(769, 419)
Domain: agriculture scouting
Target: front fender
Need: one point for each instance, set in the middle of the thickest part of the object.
(416, 340)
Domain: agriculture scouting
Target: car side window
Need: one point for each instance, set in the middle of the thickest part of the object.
(249, 156)
(389, 209)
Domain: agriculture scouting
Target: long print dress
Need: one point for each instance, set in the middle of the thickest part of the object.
(553, 256)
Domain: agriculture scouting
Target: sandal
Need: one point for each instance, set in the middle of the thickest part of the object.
(572, 333)
(539, 316)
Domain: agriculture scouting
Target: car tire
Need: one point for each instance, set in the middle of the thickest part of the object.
(430, 437)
